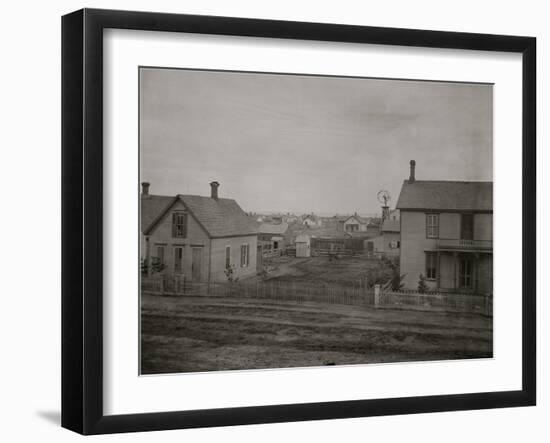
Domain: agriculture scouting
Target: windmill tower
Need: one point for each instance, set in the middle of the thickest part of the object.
(384, 198)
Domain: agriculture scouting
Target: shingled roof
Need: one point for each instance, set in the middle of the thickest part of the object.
(221, 217)
(446, 195)
(152, 206)
(273, 228)
(360, 219)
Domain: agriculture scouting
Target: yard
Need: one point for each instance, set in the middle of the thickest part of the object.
(347, 270)
(193, 334)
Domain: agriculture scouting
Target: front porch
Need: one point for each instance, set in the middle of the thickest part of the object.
(462, 271)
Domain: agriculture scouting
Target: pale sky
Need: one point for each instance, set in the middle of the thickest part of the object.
(279, 142)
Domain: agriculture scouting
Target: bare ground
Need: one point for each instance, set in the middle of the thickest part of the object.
(206, 334)
(346, 271)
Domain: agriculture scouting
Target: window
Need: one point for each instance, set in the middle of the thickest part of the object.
(431, 265)
(179, 225)
(432, 225)
(178, 259)
(244, 255)
(160, 254)
(465, 273)
(227, 257)
(467, 227)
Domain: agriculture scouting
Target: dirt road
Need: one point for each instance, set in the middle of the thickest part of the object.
(206, 334)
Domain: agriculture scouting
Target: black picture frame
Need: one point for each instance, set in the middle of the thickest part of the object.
(82, 218)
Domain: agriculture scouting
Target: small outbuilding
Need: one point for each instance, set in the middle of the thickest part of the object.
(303, 245)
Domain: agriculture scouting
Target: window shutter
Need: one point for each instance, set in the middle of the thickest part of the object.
(184, 222)
(174, 219)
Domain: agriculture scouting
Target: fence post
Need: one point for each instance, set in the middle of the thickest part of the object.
(161, 285)
(376, 296)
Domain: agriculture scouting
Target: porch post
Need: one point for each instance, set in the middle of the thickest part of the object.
(475, 271)
(455, 257)
(438, 271)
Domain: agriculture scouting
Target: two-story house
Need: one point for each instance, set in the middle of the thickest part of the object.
(447, 234)
(198, 237)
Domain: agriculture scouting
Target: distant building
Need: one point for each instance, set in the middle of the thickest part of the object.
(447, 234)
(199, 237)
(311, 220)
(394, 215)
(290, 218)
(272, 237)
(338, 221)
(355, 223)
(388, 242)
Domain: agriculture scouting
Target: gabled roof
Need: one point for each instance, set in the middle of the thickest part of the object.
(446, 195)
(152, 206)
(360, 219)
(391, 226)
(273, 228)
(221, 217)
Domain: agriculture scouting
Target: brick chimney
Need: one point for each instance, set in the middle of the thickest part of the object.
(145, 188)
(411, 177)
(214, 190)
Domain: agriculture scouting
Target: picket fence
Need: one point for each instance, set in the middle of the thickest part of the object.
(356, 294)
(435, 301)
(275, 290)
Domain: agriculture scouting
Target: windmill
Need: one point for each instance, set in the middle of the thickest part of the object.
(384, 198)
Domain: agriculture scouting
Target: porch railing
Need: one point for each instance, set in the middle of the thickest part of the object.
(456, 243)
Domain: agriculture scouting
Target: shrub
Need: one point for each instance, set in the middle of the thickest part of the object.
(397, 281)
(156, 265)
(230, 274)
(422, 286)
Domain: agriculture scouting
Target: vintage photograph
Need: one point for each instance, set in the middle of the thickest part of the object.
(291, 220)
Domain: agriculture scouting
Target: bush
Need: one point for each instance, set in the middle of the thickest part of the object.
(422, 286)
(230, 274)
(156, 265)
(397, 281)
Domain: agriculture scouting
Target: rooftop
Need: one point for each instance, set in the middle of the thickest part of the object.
(273, 228)
(220, 217)
(446, 195)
